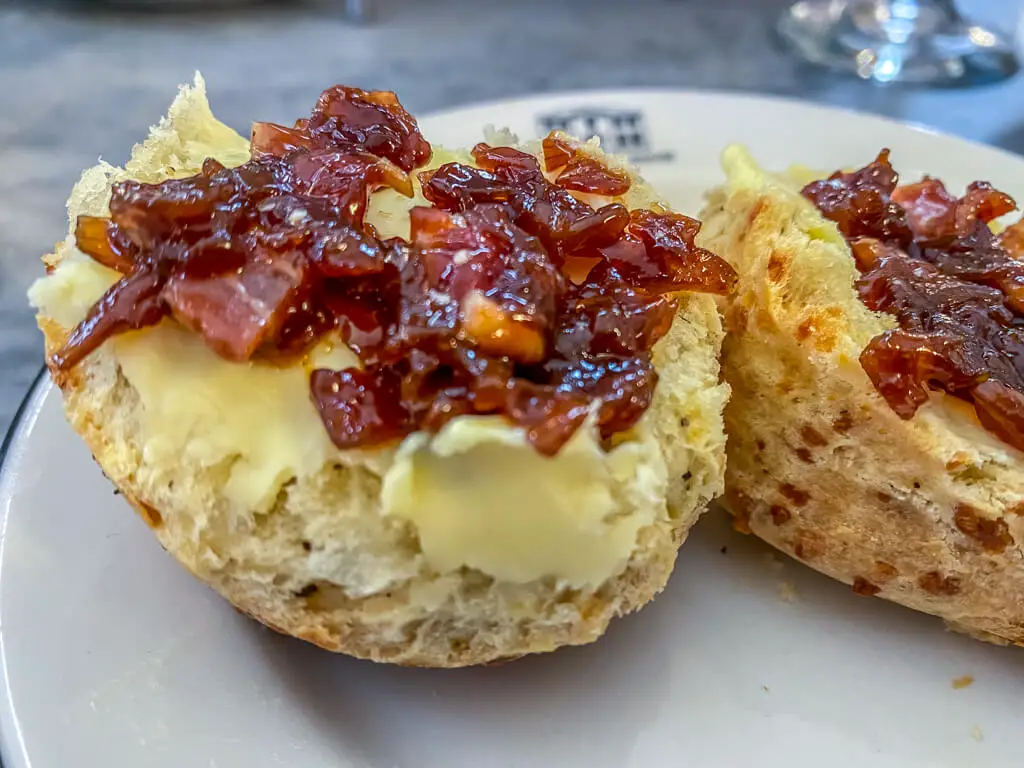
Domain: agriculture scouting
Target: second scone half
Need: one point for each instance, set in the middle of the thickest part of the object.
(859, 440)
(447, 486)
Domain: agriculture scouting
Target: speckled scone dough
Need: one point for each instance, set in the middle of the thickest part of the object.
(319, 561)
(928, 512)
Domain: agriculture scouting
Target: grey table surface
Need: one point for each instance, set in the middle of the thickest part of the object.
(75, 85)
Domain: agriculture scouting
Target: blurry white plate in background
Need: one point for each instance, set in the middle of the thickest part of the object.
(112, 655)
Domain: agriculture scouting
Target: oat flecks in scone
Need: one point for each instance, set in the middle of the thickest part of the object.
(819, 465)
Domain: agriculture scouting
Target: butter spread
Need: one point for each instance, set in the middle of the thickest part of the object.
(479, 496)
(201, 408)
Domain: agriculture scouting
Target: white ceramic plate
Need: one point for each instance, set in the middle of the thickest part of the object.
(113, 656)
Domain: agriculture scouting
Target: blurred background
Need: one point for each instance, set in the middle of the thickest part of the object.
(79, 80)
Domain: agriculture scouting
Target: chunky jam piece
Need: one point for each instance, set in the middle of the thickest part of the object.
(512, 295)
(955, 288)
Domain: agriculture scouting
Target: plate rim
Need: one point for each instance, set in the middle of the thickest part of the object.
(8, 712)
(822, 109)
(18, 417)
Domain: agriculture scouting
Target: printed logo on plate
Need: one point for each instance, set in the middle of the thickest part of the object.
(622, 131)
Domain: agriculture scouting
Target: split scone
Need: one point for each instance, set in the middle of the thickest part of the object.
(425, 407)
(876, 425)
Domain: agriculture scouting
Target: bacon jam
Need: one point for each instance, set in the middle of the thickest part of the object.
(955, 288)
(511, 296)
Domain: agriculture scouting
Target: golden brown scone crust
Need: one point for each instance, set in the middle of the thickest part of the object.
(260, 560)
(928, 512)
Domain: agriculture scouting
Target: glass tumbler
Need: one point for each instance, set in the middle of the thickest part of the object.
(888, 41)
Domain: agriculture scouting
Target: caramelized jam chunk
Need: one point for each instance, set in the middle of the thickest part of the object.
(511, 297)
(956, 289)
(581, 173)
(350, 117)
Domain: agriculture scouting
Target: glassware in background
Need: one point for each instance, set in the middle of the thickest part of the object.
(887, 41)
(357, 11)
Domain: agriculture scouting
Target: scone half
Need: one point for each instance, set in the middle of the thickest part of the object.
(922, 508)
(452, 547)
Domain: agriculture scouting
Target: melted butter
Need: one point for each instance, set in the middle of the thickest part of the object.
(481, 497)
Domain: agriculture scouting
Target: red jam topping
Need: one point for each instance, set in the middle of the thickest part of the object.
(581, 173)
(956, 289)
(511, 296)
